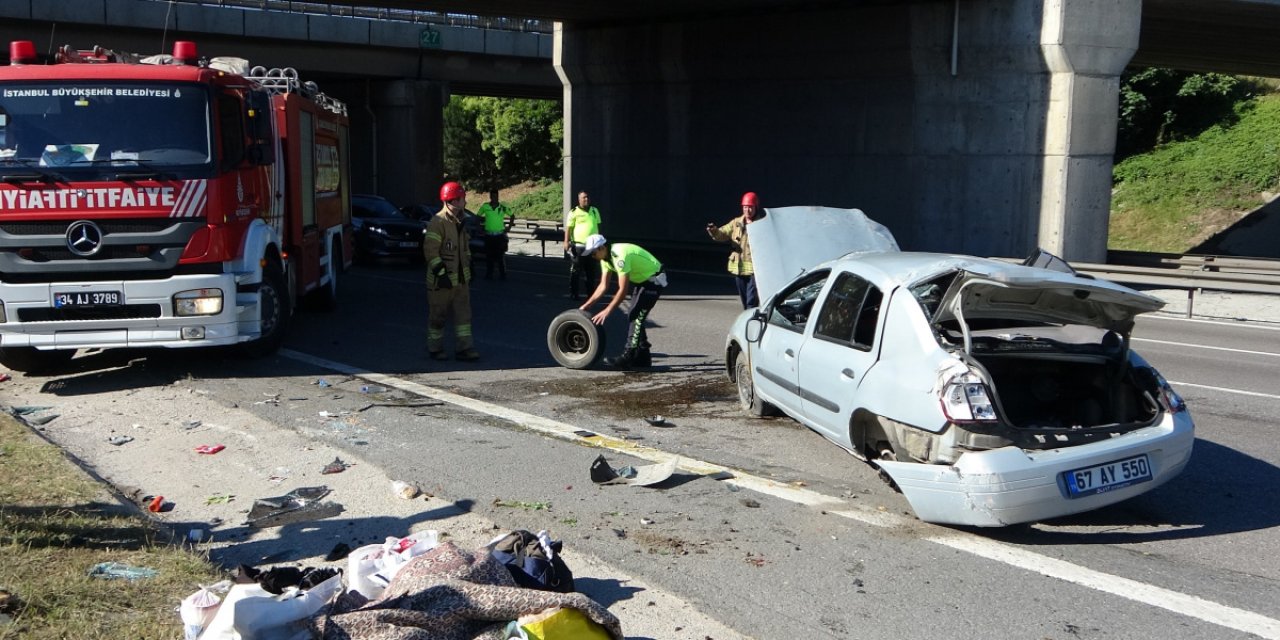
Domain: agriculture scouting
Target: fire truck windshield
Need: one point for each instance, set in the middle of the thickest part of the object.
(87, 128)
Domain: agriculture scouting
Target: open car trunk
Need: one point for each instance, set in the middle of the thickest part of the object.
(1054, 402)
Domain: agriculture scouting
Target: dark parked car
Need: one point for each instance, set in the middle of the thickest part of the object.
(383, 231)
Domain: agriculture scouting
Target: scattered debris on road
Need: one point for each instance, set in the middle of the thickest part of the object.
(648, 475)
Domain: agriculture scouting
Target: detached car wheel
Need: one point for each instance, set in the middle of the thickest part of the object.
(574, 341)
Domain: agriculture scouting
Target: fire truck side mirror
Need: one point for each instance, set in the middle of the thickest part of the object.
(261, 150)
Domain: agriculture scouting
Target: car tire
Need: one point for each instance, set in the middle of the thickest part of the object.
(33, 360)
(273, 310)
(574, 341)
(747, 398)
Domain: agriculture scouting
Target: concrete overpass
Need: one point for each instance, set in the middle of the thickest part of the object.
(978, 126)
(394, 84)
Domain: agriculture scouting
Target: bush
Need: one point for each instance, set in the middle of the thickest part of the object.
(545, 203)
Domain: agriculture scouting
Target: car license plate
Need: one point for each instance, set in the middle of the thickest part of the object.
(408, 244)
(1107, 477)
(86, 299)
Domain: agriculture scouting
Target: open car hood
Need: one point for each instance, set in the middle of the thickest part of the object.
(1016, 292)
(787, 241)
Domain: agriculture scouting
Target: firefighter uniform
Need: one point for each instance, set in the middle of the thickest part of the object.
(448, 257)
(740, 267)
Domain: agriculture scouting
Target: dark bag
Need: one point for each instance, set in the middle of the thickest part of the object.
(525, 557)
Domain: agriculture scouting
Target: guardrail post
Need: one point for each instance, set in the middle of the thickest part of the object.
(1191, 301)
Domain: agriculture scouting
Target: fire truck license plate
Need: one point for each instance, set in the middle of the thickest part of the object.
(86, 299)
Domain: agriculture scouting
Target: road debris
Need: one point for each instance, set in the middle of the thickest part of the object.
(648, 475)
(210, 449)
(117, 570)
(657, 421)
(337, 466)
(119, 440)
(406, 490)
(219, 498)
(518, 504)
(299, 505)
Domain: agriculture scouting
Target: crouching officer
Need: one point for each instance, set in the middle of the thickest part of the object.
(448, 256)
(640, 281)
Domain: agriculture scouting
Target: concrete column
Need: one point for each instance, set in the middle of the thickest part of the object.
(397, 132)
(1086, 45)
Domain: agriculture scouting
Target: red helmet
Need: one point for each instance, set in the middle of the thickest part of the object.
(749, 199)
(451, 191)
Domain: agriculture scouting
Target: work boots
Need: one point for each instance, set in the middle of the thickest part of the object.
(629, 359)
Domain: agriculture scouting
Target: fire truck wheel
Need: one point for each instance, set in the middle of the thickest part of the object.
(273, 309)
(32, 360)
(574, 341)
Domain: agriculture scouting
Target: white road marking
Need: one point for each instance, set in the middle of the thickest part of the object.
(1191, 606)
(1205, 346)
(1224, 323)
(1256, 394)
(1187, 605)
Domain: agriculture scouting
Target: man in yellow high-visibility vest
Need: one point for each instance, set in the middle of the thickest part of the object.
(497, 221)
(582, 222)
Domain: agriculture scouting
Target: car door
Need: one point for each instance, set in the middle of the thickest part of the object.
(840, 350)
(773, 362)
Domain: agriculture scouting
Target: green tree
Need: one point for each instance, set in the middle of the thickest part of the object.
(495, 142)
(464, 155)
(1159, 105)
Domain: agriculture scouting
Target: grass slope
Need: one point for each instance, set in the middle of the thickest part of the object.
(1178, 195)
(56, 523)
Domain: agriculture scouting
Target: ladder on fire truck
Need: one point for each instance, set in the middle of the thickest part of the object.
(277, 80)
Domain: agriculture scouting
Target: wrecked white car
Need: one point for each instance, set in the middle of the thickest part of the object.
(989, 393)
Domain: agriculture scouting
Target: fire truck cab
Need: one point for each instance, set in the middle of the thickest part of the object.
(167, 201)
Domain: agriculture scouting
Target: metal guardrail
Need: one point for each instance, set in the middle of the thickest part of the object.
(1190, 272)
(527, 25)
(1213, 273)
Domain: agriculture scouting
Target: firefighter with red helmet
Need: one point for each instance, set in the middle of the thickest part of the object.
(448, 256)
(735, 233)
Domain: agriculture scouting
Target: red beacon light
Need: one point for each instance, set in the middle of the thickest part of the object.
(184, 51)
(22, 52)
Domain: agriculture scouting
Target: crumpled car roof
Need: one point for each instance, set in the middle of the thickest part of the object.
(790, 241)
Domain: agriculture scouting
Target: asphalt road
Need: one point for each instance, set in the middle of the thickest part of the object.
(805, 541)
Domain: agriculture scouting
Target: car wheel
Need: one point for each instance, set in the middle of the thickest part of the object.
(747, 398)
(33, 360)
(273, 312)
(574, 341)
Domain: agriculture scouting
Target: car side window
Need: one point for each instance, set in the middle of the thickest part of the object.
(792, 308)
(851, 312)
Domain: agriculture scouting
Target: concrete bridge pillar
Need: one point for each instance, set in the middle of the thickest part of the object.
(397, 131)
(1086, 45)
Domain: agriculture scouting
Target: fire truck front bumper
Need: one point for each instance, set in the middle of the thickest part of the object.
(181, 311)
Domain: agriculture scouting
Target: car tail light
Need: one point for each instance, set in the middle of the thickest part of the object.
(1173, 403)
(966, 398)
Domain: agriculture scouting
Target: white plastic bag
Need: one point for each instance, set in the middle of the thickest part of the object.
(371, 568)
(250, 612)
(198, 609)
(274, 619)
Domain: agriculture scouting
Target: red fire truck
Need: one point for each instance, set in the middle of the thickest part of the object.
(167, 201)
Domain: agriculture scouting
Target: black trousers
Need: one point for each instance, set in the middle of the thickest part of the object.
(642, 299)
(582, 267)
(495, 252)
